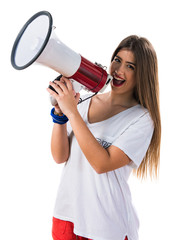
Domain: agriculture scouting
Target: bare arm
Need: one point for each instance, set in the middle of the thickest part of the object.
(60, 143)
(102, 160)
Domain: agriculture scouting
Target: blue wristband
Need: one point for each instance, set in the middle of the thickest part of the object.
(58, 119)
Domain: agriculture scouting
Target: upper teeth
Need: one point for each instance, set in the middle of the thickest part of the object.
(118, 79)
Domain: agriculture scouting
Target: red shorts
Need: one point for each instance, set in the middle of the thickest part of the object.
(63, 230)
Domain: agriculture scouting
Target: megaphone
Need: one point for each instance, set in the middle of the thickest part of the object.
(37, 42)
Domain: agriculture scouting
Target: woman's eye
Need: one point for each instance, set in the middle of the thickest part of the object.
(116, 59)
(131, 67)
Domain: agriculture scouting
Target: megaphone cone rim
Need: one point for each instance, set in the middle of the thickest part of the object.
(20, 35)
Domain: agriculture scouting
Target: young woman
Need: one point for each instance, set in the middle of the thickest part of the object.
(106, 138)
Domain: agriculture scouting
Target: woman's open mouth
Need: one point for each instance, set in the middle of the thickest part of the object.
(118, 82)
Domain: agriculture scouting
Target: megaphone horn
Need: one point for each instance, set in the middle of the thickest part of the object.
(37, 42)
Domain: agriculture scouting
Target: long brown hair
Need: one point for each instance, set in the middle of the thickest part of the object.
(147, 94)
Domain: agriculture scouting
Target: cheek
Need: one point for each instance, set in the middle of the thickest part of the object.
(132, 78)
(134, 81)
(112, 68)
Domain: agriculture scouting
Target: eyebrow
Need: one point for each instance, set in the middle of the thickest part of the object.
(126, 62)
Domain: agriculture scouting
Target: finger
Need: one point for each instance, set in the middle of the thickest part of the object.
(68, 83)
(77, 97)
(56, 86)
(59, 81)
(74, 93)
(62, 85)
(54, 94)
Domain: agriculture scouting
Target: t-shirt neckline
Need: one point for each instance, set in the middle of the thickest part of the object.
(103, 121)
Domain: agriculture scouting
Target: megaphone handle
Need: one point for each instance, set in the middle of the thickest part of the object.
(53, 100)
(74, 83)
(75, 87)
(58, 78)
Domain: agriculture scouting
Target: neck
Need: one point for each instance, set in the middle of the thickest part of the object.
(123, 100)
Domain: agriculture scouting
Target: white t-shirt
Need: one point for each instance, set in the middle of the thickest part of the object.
(100, 205)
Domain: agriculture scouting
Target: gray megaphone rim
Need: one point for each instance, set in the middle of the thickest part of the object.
(20, 35)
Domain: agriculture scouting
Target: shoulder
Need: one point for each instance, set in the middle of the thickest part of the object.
(142, 120)
(137, 118)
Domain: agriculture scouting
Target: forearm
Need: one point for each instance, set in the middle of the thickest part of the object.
(60, 143)
(97, 156)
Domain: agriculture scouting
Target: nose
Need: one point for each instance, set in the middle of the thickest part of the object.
(120, 70)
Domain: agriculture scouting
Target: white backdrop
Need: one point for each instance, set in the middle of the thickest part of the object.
(28, 176)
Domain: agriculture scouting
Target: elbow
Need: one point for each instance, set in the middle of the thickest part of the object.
(60, 156)
(60, 159)
(99, 170)
(102, 168)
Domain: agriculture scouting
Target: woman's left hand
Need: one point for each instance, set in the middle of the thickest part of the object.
(66, 98)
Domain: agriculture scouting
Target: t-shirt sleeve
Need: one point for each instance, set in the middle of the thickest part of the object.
(135, 139)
